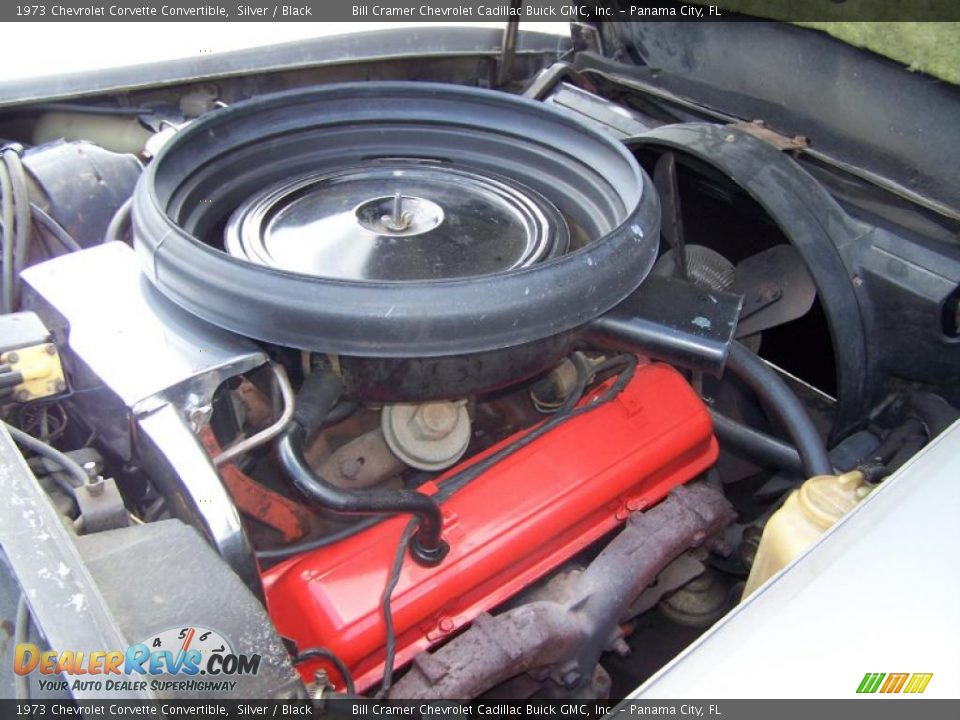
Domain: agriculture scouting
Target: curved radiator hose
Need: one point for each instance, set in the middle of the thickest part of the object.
(755, 444)
(780, 402)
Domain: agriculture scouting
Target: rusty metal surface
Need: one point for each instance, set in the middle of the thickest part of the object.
(364, 462)
(563, 639)
(492, 651)
(259, 408)
(673, 577)
(759, 130)
(292, 520)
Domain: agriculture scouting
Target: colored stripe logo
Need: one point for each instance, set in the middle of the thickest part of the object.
(914, 683)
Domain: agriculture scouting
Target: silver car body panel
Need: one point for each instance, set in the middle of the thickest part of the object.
(879, 592)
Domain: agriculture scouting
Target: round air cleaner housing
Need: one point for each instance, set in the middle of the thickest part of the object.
(407, 222)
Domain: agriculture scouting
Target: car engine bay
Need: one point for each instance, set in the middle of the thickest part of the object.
(500, 375)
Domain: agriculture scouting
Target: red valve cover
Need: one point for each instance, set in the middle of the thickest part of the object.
(519, 520)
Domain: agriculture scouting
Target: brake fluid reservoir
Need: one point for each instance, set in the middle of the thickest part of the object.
(805, 516)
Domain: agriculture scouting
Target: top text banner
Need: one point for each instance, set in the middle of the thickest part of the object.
(489, 10)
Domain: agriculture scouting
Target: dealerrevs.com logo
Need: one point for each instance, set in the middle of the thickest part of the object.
(910, 683)
(184, 653)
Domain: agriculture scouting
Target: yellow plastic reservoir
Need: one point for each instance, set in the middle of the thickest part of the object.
(805, 516)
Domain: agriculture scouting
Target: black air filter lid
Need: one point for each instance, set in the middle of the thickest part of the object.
(397, 220)
(552, 163)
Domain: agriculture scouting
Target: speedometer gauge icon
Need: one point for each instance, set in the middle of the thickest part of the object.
(179, 640)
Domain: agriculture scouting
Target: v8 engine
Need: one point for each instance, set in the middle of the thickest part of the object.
(413, 389)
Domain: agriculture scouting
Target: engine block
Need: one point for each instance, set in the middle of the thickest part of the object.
(512, 525)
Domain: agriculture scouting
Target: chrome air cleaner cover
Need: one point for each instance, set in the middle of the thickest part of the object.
(399, 221)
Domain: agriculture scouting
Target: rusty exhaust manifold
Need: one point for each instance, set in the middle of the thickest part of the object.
(564, 640)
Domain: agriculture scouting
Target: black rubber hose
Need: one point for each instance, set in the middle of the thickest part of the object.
(9, 239)
(756, 445)
(935, 412)
(317, 397)
(340, 412)
(55, 229)
(282, 553)
(428, 545)
(119, 223)
(780, 402)
(319, 393)
(77, 474)
(10, 379)
(624, 365)
(21, 210)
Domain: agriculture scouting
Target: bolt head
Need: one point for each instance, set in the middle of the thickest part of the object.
(321, 678)
(199, 416)
(620, 647)
(434, 421)
(350, 467)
